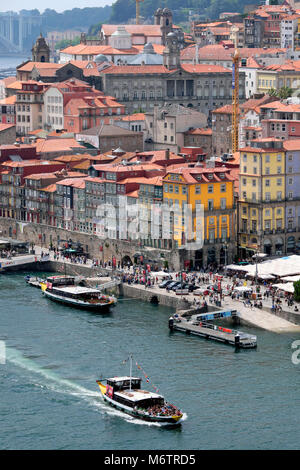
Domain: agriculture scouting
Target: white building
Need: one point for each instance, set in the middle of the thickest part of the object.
(250, 70)
(288, 28)
(53, 112)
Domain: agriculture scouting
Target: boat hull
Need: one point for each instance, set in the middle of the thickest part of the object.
(96, 307)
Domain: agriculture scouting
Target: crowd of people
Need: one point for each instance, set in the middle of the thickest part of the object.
(165, 410)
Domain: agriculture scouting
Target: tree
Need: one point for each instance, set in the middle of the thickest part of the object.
(297, 291)
(283, 93)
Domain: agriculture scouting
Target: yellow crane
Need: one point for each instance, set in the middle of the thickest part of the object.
(235, 94)
(137, 10)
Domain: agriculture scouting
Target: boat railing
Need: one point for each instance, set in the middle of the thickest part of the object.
(210, 326)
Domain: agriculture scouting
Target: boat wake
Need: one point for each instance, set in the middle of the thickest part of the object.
(53, 381)
(59, 385)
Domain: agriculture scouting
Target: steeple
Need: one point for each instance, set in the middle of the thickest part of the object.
(40, 50)
(171, 53)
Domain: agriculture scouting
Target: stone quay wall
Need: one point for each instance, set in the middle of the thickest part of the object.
(102, 249)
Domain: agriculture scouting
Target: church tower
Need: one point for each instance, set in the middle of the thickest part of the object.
(40, 50)
(164, 19)
(171, 53)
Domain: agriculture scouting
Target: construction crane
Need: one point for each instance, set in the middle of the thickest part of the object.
(137, 10)
(235, 93)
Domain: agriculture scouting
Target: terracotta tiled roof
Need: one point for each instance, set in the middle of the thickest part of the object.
(133, 117)
(227, 109)
(50, 189)
(11, 100)
(218, 52)
(28, 66)
(204, 68)
(56, 145)
(8, 80)
(16, 85)
(4, 127)
(199, 131)
(142, 29)
(133, 194)
(78, 183)
(291, 144)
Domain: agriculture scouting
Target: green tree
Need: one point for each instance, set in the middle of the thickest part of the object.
(282, 93)
(67, 42)
(297, 291)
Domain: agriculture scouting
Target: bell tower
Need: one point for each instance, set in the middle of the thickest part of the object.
(40, 50)
(171, 53)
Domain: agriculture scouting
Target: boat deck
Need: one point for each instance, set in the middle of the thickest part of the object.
(214, 332)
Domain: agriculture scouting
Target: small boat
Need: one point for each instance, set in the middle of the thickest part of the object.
(34, 281)
(125, 394)
(63, 289)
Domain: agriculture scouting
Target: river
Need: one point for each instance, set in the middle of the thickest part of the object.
(49, 398)
(8, 64)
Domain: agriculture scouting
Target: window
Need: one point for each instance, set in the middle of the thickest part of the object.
(210, 204)
(210, 188)
(253, 183)
(267, 196)
(267, 159)
(279, 181)
(279, 157)
(223, 203)
(223, 187)
(198, 189)
(267, 182)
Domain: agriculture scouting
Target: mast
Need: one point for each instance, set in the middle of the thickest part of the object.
(130, 370)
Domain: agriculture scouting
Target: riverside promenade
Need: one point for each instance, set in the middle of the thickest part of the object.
(285, 321)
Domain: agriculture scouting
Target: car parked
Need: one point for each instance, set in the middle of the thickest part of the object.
(165, 283)
(173, 284)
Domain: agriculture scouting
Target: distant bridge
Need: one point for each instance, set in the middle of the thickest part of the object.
(15, 28)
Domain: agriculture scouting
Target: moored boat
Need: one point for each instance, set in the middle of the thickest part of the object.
(34, 281)
(63, 289)
(125, 394)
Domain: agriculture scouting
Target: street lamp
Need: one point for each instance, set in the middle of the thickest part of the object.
(225, 249)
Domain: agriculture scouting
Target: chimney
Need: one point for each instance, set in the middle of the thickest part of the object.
(167, 154)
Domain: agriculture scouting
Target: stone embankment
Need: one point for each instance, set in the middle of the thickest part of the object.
(283, 321)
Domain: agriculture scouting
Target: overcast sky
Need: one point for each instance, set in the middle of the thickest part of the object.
(58, 5)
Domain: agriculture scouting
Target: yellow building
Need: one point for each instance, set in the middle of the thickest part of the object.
(207, 192)
(262, 196)
(278, 76)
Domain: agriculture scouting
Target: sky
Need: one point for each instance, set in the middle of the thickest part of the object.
(58, 5)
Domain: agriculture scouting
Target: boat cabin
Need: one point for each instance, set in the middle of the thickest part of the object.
(59, 281)
(123, 383)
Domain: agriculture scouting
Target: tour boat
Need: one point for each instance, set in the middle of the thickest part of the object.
(125, 394)
(63, 289)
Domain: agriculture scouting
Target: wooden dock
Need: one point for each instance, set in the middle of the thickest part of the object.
(214, 332)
